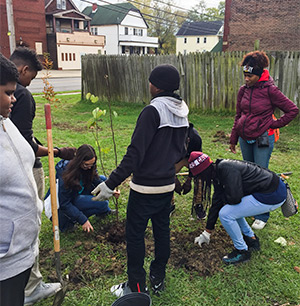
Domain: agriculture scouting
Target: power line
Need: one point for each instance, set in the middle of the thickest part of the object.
(116, 8)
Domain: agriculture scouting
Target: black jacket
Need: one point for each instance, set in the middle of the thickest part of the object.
(152, 153)
(236, 179)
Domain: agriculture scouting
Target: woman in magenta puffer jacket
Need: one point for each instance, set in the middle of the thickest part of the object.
(254, 125)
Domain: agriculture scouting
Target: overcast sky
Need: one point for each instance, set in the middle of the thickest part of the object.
(187, 4)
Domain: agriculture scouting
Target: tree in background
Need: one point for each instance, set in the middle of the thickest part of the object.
(164, 19)
(201, 13)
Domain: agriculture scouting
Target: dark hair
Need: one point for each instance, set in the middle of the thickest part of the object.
(256, 59)
(8, 71)
(26, 56)
(206, 177)
(74, 173)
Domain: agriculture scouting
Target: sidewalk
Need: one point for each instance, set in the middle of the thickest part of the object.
(60, 74)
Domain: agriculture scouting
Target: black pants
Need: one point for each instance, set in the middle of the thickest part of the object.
(12, 289)
(141, 208)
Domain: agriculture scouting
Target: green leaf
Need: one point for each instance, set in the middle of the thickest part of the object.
(115, 113)
(94, 99)
(91, 122)
(95, 112)
(105, 150)
(88, 95)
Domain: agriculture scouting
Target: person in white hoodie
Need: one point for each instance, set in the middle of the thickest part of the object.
(20, 206)
(157, 144)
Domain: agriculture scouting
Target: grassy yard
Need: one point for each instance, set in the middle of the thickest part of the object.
(94, 266)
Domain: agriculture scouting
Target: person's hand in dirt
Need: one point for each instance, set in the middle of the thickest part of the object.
(102, 192)
(187, 185)
(178, 187)
(203, 238)
(232, 148)
(87, 226)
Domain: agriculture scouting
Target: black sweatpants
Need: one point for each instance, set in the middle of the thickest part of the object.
(141, 208)
(12, 289)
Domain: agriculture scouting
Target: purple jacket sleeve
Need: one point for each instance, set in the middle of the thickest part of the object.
(279, 100)
(234, 136)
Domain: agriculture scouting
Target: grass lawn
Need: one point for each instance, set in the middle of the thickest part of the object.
(270, 278)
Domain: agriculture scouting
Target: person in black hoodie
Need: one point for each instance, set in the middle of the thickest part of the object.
(241, 189)
(157, 144)
(22, 115)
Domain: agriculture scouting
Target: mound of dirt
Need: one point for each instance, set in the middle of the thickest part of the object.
(185, 254)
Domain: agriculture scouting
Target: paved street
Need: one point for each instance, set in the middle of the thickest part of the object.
(69, 80)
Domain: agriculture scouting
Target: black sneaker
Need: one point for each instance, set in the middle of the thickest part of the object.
(157, 284)
(123, 289)
(237, 256)
(253, 244)
(200, 212)
(172, 208)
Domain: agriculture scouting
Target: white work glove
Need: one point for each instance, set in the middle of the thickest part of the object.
(102, 192)
(203, 238)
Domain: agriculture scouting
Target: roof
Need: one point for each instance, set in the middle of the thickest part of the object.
(200, 28)
(218, 47)
(109, 14)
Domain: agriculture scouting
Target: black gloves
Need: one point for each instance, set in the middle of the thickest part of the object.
(187, 185)
(65, 153)
(178, 186)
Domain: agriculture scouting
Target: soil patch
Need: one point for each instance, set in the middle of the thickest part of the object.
(203, 261)
(220, 136)
(70, 127)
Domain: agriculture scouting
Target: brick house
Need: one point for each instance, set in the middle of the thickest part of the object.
(276, 24)
(30, 25)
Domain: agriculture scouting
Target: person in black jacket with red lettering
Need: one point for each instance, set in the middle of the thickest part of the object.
(157, 144)
(241, 189)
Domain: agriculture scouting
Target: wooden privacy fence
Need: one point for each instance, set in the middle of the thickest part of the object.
(209, 81)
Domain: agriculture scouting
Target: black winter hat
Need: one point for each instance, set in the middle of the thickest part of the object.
(165, 77)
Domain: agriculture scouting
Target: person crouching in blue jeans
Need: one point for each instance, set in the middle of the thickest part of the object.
(76, 179)
(241, 189)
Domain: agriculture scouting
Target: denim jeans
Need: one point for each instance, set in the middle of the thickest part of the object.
(260, 156)
(233, 218)
(87, 207)
(141, 208)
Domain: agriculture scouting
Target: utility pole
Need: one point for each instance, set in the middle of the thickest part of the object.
(11, 26)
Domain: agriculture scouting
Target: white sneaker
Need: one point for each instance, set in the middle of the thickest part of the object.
(120, 289)
(258, 224)
(42, 291)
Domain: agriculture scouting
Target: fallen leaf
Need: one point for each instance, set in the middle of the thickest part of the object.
(297, 269)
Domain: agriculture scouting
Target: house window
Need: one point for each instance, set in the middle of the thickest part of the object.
(63, 4)
(62, 57)
(204, 40)
(39, 47)
(126, 30)
(198, 40)
(123, 49)
(185, 40)
(94, 31)
(58, 4)
(57, 24)
(138, 32)
(74, 59)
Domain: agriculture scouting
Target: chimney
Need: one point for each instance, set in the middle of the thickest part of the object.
(94, 7)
